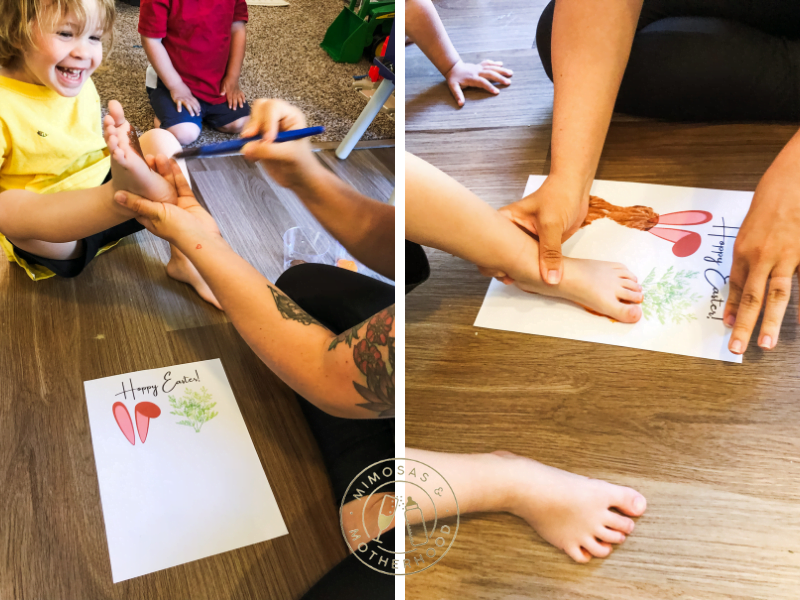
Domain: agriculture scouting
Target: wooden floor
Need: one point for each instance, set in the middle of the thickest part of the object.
(124, 314)
(713, 446)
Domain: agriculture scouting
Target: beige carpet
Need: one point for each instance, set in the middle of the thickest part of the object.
(283, 60)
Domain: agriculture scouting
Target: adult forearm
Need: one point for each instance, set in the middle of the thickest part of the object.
(424, 27)
(442, 213)
(365, 227)
(238, 45)
(162, 63)
(591, 43)
(290, 342)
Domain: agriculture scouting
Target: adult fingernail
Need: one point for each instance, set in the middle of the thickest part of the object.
(729, 321)
(552, 276)
(736, 347)
(766, 342)
(639, 505)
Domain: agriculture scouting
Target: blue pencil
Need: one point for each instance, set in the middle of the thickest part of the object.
(234, 145)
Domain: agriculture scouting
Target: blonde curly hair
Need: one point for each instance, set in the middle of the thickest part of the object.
(20, 17)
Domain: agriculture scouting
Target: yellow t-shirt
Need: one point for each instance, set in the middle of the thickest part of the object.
(49, 143)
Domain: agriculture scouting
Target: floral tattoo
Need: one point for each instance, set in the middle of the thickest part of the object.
(290, 310)
(379, 391)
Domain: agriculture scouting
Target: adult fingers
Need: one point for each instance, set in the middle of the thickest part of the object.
(495, 76)
(780, 288)
(748, 309)
(181, 185)
(736, 282)
(455, 89)
(268, 117)
(550, 251)
(141, 206)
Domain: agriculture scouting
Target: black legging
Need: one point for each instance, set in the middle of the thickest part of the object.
(340, 299)
(708, 60)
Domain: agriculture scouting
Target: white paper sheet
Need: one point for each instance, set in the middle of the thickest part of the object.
(189, 490)
(692, 325)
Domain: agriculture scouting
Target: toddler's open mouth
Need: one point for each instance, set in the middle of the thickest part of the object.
(70, 75)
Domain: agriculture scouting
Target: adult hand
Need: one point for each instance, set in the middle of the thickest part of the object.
(766, 255)
(464, 75)
(182, 97)
(553, 213)
(171, 222)
(288, 163)
(234, 95)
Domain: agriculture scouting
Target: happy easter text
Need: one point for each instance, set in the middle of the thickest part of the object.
(713, 276)
(167, 386)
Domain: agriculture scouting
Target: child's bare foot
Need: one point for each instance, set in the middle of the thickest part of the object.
(128, 170)
(570, 511)
(607, 288)
(180, 268)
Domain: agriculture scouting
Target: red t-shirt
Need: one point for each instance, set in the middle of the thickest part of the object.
(197, 36)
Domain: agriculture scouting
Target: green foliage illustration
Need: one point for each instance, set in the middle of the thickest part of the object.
(670, 297)
(195, 406)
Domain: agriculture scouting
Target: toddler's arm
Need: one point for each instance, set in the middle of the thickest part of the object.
(230, 83)
(425, 29)
(162, 63)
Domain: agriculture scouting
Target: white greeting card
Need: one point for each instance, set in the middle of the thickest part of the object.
(179, 476)
(679, 243)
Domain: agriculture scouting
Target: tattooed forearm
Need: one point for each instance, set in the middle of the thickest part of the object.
(290, 310)
(368, 355)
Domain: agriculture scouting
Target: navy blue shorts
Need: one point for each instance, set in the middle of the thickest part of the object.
(214, 115)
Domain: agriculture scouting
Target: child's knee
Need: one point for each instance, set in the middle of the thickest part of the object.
(235, 127)
(185, 133)
(159, 141)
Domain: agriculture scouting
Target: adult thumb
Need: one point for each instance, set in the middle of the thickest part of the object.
(550, 252)
(141, 206)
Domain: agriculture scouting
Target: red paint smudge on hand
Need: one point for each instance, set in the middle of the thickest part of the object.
(198, 247)
(144, 412)
(124, 421)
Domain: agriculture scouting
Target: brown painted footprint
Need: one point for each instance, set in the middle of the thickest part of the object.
(684, 243)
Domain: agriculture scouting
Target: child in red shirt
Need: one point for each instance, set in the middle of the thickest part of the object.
(196, 48)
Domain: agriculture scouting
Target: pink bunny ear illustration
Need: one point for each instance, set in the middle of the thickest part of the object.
(685, 217)
(685, 243)
(144, 412)
(124, 421)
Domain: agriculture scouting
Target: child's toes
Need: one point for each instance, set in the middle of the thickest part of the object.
(618, 522)
(630, 296)
(112, 142)
(630, 285)
(612, 536)
(598, 549)
(628, 501)
(578, 554)
(116, 112)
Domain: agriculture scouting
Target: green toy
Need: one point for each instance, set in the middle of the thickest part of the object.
(351, 33)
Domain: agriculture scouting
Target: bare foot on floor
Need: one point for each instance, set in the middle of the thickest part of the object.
(603, 287)
(180, 268)
(572, 512)
(129, 172)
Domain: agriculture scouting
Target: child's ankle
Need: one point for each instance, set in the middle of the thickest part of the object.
(504, 485)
